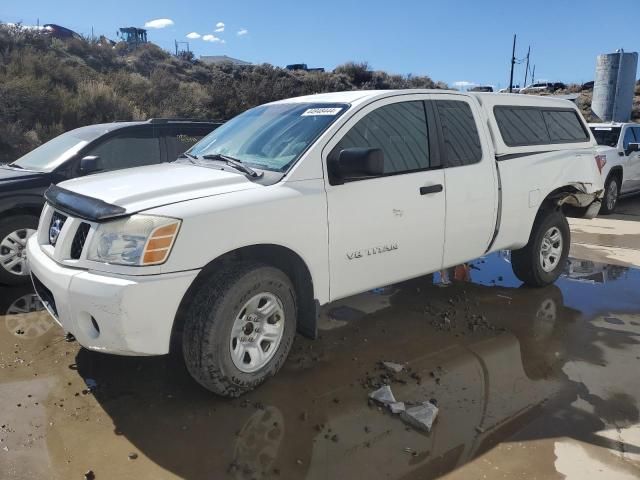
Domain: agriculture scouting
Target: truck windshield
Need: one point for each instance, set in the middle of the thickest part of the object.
(52, 154)
(270, 137)
(607, 136)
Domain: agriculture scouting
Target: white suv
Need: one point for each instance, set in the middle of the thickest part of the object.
(297, 203)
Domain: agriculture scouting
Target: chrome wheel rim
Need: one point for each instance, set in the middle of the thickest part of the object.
(13, 252)
(257, 332)
(551, 249)
(612, 195)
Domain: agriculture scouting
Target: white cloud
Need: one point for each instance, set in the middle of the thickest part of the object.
(219, 27)
(242, 31)
(193, 35)
(159, 23)
(212, 38)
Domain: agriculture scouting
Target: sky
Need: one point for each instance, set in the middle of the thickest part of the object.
(459, 42)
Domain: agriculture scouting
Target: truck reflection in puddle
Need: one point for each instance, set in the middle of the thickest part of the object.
(491, 355)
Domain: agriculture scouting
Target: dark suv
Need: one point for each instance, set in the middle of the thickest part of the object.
(83, 151)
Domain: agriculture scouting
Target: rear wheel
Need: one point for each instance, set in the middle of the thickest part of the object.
(542, 260)
(240, 328)
(14, 233)
(611, 193)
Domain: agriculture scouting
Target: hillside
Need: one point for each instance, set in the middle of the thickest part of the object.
(48, 86)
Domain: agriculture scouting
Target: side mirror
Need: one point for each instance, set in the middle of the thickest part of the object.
(633, 147)
(90, 164)
(356, 163)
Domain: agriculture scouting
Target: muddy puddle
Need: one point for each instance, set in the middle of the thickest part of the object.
(508, 368)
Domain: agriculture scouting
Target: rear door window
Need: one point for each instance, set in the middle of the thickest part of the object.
(179, 139)
(459, 132)
(131, 148)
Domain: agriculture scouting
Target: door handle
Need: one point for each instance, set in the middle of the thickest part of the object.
(431, 189)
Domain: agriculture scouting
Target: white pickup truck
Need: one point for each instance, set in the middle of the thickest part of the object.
(231, 250)
(619, 147)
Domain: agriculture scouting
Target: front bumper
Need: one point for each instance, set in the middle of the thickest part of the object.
(126, 315)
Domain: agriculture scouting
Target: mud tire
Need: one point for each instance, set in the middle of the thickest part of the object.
(210, 318)
(608, 203)
(526, 262)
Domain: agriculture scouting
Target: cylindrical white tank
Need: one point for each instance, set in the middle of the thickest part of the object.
(614, 86)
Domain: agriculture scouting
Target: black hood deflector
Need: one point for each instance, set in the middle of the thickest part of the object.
(78, 205)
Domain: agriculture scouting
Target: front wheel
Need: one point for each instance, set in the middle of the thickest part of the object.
(541, 261)
(240, 328)
(611, 194)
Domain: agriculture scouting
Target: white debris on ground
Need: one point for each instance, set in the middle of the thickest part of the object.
(419, 416)
(394, 367)
(383, 395)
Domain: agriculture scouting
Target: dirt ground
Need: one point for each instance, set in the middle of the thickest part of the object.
(530, 383)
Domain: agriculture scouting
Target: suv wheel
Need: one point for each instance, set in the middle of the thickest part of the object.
(542, 260)
(14, 233)
(239, 328)
(611, 193)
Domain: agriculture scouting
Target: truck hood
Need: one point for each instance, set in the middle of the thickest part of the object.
(142, 188)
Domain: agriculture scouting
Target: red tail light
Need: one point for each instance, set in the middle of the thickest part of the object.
(601, 161)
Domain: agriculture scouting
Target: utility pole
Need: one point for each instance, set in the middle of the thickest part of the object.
(526, 70)
(513, 62)
(533, 75)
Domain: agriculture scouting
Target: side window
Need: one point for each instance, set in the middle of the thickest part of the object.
(459, 132)
(181, 139)
(636, 131)
(521, 126)
(629, 137)
(564, 126)
(129, 149)
(399, 130)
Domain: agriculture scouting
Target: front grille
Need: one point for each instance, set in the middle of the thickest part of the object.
(79, 240)
(45, 295)
(55, 227)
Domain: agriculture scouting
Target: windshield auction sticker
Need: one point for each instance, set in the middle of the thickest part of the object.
(321, 111)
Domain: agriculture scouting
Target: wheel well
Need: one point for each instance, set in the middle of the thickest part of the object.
(617, 171)
(276, 256)
(556, 196)
(16, 211)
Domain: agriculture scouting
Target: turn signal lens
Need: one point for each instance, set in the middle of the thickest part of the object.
(159, 244)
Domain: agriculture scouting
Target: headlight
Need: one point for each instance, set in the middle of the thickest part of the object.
(137, 240)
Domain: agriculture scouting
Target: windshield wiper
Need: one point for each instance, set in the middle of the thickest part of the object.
(192, 158)
(14, 165)
(233, 162)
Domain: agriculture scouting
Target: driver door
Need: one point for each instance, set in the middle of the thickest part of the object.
(390, 227)
(631, 172)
